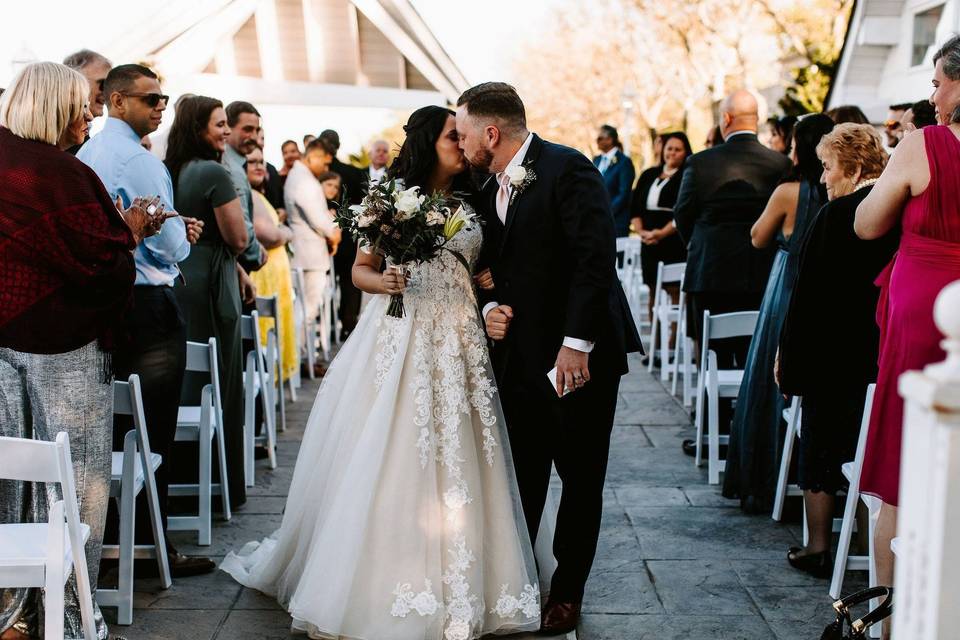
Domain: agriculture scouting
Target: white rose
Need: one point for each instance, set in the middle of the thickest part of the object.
(517, 174)
(407, 202)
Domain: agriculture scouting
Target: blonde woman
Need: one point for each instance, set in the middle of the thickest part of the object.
(66, 264)
(274, 277)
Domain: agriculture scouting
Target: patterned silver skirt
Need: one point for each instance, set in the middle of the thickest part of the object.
(41, 395)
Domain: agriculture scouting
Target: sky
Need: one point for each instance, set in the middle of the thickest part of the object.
(482, 38)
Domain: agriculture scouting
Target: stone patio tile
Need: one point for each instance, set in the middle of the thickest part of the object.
(262, 505)
(635, 496)
(704, 586)
(215, 590)
(665, 412)
(255, 601)
(682, 533)
(621, 592)
(229, 536)
(618, 550)
(166, 624)
(673, 627)
(804, 604)
(706, 495)
(256, 625)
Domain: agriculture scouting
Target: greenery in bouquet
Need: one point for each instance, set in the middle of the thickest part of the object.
(404, 226)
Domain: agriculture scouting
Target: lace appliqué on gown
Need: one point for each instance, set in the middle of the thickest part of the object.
(451, 362)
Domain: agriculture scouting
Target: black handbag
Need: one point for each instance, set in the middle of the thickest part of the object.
(836, 630)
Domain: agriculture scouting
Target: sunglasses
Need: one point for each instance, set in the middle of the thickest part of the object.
(150, 99)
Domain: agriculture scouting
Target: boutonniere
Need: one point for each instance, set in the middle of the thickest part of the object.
(614, 160)
(521, 177)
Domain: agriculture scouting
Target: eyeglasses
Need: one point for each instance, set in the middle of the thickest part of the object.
(150, 99)
(892, 124)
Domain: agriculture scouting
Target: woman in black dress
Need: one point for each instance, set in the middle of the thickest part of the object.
(830, 339)
(652, 209)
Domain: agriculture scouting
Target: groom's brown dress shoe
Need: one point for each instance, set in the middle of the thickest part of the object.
(559, 618)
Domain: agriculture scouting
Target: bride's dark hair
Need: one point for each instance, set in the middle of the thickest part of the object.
(418, 156)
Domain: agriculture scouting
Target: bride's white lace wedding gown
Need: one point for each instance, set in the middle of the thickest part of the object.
(403, 520)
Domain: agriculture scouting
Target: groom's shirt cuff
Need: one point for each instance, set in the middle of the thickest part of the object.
(579, 345)
(486, 309)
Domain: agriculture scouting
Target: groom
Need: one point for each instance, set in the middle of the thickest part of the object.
(549, 243)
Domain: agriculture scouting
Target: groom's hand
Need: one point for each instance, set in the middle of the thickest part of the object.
(498, 321)
(572, 369)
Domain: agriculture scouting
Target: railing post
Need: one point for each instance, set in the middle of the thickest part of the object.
(927, 578)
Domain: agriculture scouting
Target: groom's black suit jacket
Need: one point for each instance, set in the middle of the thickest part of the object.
(553, 263)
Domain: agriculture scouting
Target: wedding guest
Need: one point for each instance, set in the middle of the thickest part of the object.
(274, 278)
(291, 153)
(159, 140)
(272, 185)
(714, 138)
(155, 347)
(353, 181)
(918, 193)
(652, 210)
(379, 158)
(893, 126)
(722, 193)
(848, 113)
(920, 114)
(307, 139)
(331, 186)
(67, 269)
(658, 146)
(94, 68)
(210, 292)
(836, 276)
(781, 133)
(618, 174)
(244, 122)
(753, 456)
(310, 220)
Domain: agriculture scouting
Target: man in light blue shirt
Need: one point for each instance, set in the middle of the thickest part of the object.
(244, 121)
(155, 348)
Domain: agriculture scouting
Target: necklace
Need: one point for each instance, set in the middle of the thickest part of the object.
(865, 183)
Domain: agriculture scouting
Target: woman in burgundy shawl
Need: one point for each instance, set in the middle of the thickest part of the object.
(66, 265)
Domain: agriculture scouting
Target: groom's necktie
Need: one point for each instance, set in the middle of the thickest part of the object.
(503, 196)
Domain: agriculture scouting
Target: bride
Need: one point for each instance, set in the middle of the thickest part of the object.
(403, 520)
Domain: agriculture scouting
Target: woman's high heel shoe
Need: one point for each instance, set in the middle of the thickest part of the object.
(819, 565)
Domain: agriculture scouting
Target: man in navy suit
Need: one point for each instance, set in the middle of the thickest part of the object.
(618, 174)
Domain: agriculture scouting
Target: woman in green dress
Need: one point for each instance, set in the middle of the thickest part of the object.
(210, 291)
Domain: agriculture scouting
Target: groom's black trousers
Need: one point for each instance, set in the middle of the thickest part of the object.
(574, 434)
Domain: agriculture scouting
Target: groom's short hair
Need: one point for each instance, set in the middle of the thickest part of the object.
(495, 100)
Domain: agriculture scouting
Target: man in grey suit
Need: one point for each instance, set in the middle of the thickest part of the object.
(723, 192)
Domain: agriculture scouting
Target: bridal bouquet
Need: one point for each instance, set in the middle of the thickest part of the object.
(404, 226)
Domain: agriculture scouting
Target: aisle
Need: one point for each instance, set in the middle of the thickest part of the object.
(675, 560)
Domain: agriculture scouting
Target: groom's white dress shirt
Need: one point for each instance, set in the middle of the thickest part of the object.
(606, 159)
(574, 343)
(376, 175)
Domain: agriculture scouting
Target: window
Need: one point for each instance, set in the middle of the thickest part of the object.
(925, 33)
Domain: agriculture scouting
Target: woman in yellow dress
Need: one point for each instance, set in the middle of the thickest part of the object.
(273, 278)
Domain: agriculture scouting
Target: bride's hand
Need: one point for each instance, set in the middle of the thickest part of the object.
(394, 280)
(484, 280)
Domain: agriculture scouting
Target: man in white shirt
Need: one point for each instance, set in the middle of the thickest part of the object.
(379, 157)
(314, 230)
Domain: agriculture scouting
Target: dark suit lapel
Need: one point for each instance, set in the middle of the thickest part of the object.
(533, 153)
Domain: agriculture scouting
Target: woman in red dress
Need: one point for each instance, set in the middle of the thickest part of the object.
(920, 189)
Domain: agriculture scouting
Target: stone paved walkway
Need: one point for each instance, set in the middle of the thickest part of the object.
(675, 560)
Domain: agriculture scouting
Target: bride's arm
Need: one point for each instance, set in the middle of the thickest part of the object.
(367, 276)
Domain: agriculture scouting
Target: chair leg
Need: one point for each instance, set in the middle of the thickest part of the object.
(249, 416)
(156, 523)
(788, 441)
(713, 436)
(677, 353)
(688, 372)
(843, 544)
(698, 420)
(53, 578)
(128, 508)
(653, 338)
(665, 346)
(224, 485)
(205, 488)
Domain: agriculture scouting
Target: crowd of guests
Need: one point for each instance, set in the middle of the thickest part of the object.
(117, 249)
(841, 234)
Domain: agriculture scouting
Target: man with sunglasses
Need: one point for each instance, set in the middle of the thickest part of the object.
(893, 127)
(156, 341)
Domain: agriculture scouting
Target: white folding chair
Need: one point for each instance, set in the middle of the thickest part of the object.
(308, 325)
(133, 471)
(665, 315)
(715, 383)
(328, 313)
(629, 273)
(683, 365)
(791, 416)
(270, 308)
(43, 554)
(256, 383)
(852, 470)
(202, 425)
